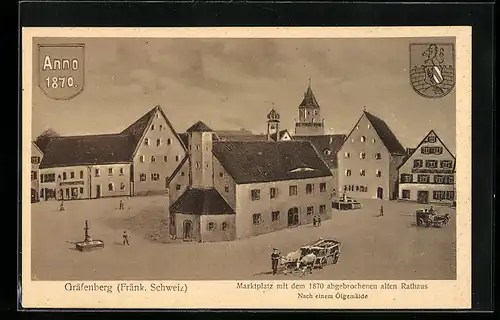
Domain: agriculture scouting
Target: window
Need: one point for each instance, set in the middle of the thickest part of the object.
(309, 188)
(72, 174)
(362, 172)
(64, 176)
(153, 159)
(206, 165)
(158, 142)
(406, 178)
(257, 218)
(122, 186)
(146, 141)
(211, 226)
(122, 171)
(142, 177)
(373, 140)
(369, 126)
(431, 163)
(35, 160)
(378, 173)
(438, 195)
(328, 152)
(363, 138)
(169, 141)
(438, 179)
(347, 155)
(197, 147)
(178, 187)
(81, 174)
(292, 190)
(418, 163)
(255, 193)
(432, 139)
(224, 226)
(111, 187)
(33, 176)
(226, 189)
(425, 150)
(165, 158)
(221, 174)
(273, 193)
(446, 164)
(406, 194)
(177, 158)
(357, 127)
(182, 174)
(362, 155)
(322, 187)
(348, 173)
(141, 158)
(155, 176)
(275, 215)
(378, 156)
(161, 127)
(48, 177)
(197, 165)
(450, 195)
(423, 178)
(110, 171)
(449, 179)
(322, 209)
(152, 127)
(310, 210)
(437, 150)
(81, 190)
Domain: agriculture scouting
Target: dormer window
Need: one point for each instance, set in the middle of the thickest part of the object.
(169, 141)
(363, 138)
(362, 155)
(158, 142)
(432, 139)
(328, 152)
(146, 141)
(152, 127)
(347, 155)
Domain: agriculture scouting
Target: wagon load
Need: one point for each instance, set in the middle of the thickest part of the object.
(430, 218)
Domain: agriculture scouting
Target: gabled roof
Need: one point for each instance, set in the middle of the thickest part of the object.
(422, 142)
(179, 167)
(386, 135)
(309, 99)
(265, 161)
(331, 142)
(87, 150)
(199, 127)
(277, 136)
(201, 202)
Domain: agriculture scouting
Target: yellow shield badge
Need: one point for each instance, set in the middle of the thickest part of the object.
(61, 70)
(432, 69)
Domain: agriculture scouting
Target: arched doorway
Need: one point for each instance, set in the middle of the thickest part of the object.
(187, 230)
(293, 217)
(380, 193)
(34, 196)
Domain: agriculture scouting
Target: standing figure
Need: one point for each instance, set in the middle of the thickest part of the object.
(381, 211)
(122, 206)
(275, 256)
(319, 221)
(315, 221)
(125, 238)
(61, 207)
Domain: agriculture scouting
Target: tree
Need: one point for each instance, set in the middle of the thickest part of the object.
(44, 138)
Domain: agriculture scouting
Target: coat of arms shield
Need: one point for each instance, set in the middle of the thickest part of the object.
(432, 69)
(61, 72)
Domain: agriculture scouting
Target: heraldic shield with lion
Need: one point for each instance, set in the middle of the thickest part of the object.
(432, 72)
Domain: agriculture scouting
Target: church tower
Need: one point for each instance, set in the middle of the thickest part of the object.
(273, 124)
(310, 122)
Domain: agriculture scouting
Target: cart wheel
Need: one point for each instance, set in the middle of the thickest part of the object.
(336, 257)
(323, 263)
(420, 222)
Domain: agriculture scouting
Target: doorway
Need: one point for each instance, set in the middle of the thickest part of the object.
(380, 193)
(98, 191)
(423, 197)
(187, 230)
(293, 217)
(34, 196)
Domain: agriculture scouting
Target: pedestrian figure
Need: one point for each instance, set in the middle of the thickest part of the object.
(314, 221)
(122, 206)
(431, 210)
(275, 256)
(381, 211)
(319, 221)
(125, 238)
(61, 207)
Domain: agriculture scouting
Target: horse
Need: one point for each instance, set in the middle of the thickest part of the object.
(307, 262)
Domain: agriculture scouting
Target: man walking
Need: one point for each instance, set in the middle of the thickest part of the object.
(122, 206)
(275, 256)
(319, 221)
(381, 211)
(125, 238)
(315, 222)
(61, 207)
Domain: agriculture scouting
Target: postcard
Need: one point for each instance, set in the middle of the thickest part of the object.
(248, 168)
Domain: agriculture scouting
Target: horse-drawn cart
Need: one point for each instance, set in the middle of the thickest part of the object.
(429, 218)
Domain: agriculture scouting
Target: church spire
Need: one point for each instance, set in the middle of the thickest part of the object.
(309, 98)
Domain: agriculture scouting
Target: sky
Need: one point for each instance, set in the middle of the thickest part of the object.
(231, 84)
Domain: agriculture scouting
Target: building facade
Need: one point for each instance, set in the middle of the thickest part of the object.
(238, 189)
(137, 161)
(368, 160)
(428, 173)
(36, 159)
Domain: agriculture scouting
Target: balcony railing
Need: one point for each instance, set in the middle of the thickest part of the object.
(309, 124)
(432, 170)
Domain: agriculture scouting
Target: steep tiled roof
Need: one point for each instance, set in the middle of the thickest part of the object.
(249, 137)
(322, 143)
(199, 127)
(386, 135)
(184, 138)
(264, 161)
(91, 149)
(201, 202)
(309, 99)
(136, 129)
